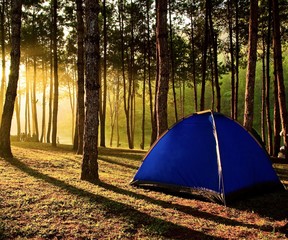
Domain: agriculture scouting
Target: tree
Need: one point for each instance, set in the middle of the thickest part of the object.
(215, 61)
(55, 68)
(163, 68)
(232, 67)
(44, 82)
(16, 12)
(90, 150)
(267, 93)
(104, 93)
(204, 52)
(251, 68)
(3, 52)
(80, 74)
(172, 59)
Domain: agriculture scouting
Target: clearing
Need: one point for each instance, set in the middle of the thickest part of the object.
(42, 197)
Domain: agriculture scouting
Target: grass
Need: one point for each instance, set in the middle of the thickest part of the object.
(43, 198)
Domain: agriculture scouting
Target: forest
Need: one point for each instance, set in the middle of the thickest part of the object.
(191, 91)
(207, 48)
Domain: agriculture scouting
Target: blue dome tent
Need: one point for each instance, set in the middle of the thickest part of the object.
(210, 154)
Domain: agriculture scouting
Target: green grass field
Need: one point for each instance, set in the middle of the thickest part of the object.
(42, 197)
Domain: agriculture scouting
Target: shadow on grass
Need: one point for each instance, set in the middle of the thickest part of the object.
(186, 209)
(44, 146)
(272, 205)
(133, 216)
(135, 155)
(282, 173)
(105, 159)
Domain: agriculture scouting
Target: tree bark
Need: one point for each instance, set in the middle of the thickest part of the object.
(90, 150)
(34, 103)
(17, 112)
(153, 123)
(193, 61)
(80, 74)
(172, 61)
(51, 87)
(142, 144)
(232, 67)
(27, 104)
(104, 92)
(268, 80)
(163, 73)
(251, 68)
(276, 122)
(204, 56)
(215, 62)
(55, 66)
(11, 93)
(237, 57)
(263, 92)
(43, 131)
(3, 52)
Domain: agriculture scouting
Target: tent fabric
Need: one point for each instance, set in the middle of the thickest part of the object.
(209, 153)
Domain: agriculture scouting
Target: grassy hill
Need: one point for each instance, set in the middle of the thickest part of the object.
(43, 198)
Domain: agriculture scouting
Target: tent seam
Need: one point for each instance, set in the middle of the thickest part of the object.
(220, 171)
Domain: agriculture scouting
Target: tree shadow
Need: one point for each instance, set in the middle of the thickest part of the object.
(282, 173)
(135, 155)
(127, 212)
(104, 159)
(271, 205)
(185, 209)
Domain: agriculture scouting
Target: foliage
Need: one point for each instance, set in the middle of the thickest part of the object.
(36, 42)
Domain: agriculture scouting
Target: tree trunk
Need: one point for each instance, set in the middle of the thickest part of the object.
(142, 145)
(276, 122)
(212, 75)
(232, 67)
(204, 57)
(55, 56)
(34, 103)
(117, 109)
(3, 51)
(149, 71)
(163, 73)
(193, 62)
(71, 91)
(237, 57)
(267, 94)
(126, 92)
(172, 60)
(17, 112)
(132, 81)
(263, 107)
(251, 68)
(50, 113)
(11, 93)
(27, 104)
(104, 92)
(43, 131)
(279, 74)
(92, 50)
(113, 108)
(215, 62)
(80, 74)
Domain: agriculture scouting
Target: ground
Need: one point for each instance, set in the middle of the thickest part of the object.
(42, 197)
